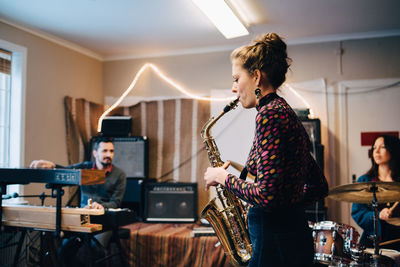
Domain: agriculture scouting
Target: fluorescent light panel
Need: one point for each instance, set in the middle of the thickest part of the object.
(222, 16)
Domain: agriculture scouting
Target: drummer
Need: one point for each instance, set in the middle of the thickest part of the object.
(385, 160)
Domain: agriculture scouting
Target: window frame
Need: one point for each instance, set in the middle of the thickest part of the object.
(17, 107)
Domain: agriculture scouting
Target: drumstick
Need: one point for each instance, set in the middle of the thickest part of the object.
(394, 206)
(389, 242)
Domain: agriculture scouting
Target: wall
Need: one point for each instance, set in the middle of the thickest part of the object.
(329, 64)
(53, 71)
(360, 59)
(198, 73)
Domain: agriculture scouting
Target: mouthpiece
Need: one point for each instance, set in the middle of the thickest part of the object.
(233, 104)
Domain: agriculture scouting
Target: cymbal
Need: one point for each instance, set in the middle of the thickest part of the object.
(363, 192)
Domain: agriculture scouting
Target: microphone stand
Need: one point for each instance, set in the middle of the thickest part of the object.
(3, 190)
(42, 196)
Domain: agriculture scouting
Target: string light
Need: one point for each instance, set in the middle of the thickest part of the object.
(162, 76)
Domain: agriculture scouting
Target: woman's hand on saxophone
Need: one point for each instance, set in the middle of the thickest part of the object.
(215, 176)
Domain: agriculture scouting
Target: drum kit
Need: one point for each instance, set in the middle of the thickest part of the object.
(337, 244)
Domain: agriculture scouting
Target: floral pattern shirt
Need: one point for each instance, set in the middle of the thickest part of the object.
(280, 159)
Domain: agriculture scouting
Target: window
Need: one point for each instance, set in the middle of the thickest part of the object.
(5, 102)
(12, 100)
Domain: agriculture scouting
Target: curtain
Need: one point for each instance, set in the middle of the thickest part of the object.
(5, 61)
(176, 151)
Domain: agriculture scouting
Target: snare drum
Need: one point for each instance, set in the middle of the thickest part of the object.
(333, 241)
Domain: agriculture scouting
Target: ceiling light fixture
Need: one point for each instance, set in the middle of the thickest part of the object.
(223, 17)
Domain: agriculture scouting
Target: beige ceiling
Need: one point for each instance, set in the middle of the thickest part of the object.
(144, 28)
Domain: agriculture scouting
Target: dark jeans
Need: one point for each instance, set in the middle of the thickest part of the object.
(280, 238)
(83, 250)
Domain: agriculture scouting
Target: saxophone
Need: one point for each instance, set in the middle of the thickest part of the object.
(229, 223)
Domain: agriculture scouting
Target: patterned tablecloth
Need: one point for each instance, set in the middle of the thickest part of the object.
(161, 244)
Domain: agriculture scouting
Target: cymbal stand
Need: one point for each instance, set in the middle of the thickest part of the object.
(374, 188)
(377, 259)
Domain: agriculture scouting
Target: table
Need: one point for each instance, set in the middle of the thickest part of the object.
(167, 244)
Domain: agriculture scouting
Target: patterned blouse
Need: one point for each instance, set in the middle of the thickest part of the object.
(280, 159)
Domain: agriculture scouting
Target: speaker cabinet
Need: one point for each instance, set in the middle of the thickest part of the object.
(318, 154)
(171, 202)
(130, 155)
(317, 211)
(116, 126)
(313, 129)
(134, 195)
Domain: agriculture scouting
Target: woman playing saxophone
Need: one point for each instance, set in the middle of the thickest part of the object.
(287, 176)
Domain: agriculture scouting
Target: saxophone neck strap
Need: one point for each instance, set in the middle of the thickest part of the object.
(243, 174)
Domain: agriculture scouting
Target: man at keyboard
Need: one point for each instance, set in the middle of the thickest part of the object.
(107, 195)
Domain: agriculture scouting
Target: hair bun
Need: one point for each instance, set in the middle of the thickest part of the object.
(272, 40)
(266, 53)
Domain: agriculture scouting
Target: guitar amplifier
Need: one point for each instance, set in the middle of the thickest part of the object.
(134, 195)
(170, 202)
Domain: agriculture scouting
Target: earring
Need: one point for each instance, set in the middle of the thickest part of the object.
(257, 92)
